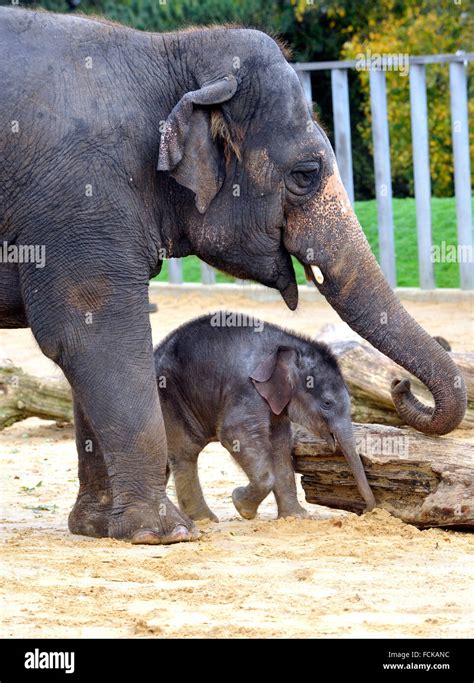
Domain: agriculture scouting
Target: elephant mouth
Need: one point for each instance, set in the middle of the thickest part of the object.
(278, 273)
(331, 441)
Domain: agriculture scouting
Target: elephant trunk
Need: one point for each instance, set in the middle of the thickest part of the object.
(366, 302)
(345, 439)
(328, 239)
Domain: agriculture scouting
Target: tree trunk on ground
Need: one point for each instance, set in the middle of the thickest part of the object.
(23, 396)
(368, 374)
(424, 480)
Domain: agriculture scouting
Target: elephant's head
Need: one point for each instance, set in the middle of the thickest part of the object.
(264, 185)
(310, 387)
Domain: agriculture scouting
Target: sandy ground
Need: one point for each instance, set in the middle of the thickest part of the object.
(336, 575)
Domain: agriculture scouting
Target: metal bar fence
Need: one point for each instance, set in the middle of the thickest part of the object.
(383, 177)
(421, 169)
(462, 169)
(421, 164)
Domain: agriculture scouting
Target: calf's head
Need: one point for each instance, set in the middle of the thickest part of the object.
(310, 387)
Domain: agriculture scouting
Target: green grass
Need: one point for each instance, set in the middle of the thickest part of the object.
(444, 228)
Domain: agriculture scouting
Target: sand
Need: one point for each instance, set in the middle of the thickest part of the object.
(336, 575)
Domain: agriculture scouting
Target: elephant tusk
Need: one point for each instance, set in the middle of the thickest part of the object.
(318, 276)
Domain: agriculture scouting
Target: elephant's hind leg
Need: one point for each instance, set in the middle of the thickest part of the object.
(90, 514)
(183, 453)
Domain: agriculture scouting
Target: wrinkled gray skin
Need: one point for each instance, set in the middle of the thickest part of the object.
(244, 387)
(79, 176)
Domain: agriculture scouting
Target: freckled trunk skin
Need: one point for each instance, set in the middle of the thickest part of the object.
(326, 232)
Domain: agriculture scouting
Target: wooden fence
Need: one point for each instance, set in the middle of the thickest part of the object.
(381, 144)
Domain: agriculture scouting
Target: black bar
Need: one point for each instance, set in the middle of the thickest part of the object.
(148, 659)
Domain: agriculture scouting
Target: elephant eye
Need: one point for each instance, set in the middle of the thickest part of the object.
(326, 403)
(303, 178)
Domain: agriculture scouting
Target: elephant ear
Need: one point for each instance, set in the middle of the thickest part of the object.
(187, 149)
(273, 378)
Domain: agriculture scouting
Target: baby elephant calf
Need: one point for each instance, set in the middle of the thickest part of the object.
(243, 386)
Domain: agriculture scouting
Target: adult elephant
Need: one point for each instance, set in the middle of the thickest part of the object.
(245, 179)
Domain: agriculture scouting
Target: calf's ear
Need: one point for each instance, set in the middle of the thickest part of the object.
(187, 149)
(273, 378)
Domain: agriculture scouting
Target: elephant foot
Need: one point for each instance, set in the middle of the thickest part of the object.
(159, 524)
(246, 507)
(294, 511)
(90, 514)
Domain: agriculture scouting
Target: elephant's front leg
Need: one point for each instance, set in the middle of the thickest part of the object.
(285, 485)
(107, 356)
(251, 449)
(91, 512)
(117, 388)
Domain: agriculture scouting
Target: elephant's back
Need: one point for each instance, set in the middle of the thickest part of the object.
(226, 341)
(62, 73)
(71, 112)
(31, 45)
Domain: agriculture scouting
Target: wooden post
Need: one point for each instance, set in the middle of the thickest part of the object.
(342, 128)
(462, 171)
(421, 167)
(383, 182)
(305, 80)
(175, 271)
(208, 274)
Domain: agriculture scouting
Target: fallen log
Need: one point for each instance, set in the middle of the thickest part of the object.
(368, 374)
(424, 480)
(22, 396)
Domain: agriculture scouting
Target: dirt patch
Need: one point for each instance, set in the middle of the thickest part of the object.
(335, 575)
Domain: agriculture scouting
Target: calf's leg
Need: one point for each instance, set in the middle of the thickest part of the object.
(251, 449)
(285, 485)
(183, 453)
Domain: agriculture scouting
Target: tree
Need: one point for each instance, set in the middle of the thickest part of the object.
(423, 27)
